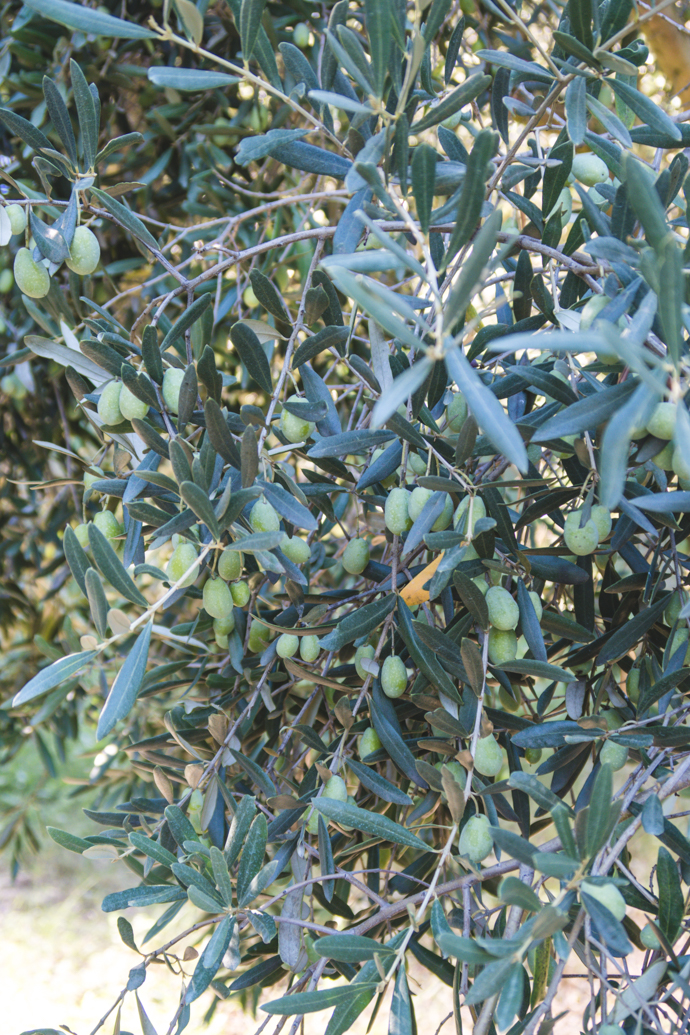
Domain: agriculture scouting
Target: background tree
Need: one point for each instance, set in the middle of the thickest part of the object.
(361, 538)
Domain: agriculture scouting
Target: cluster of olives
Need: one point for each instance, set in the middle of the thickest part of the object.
(583, 539)
(32, 276)
(662, 425)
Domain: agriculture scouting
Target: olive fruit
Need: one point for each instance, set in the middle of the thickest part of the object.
(295, 549)
(649, 938)
(393, 676)
(459, 772)
(259, 636)
(264, 517)
(17, 218)
(632, 685)
(217, 598)
(131, 406)
(85, 252)
(82, 533)
(601, 516)
(664, 458)
(488, 757)
(589, 169)
(367, 651)
(673, 608)
(368, 743)
(396, 511)
(286, 645)
(475, 839)
(294, 429)
(580, 541)
(462, 511)
(172, 381)
(240, 593)
(609, 896)
(504, 613)
(456, 412)
(416, 463)
(32, 277)
(662, 423)
(594, 306)
(356, 556)
(615, 755)
(6, 284)
(309, 648)
(419, 499)
(224, 626)
(300, 35)
(109, 403)
(533, 755)
(182, 558)
(230, 564)
(335, 788)
(680, 463)
(502, 646)
(106, 522)
(537, 604)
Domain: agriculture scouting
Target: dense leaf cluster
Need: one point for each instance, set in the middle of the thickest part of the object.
(367, 521)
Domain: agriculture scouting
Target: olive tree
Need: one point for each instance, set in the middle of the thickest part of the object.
(368, 517)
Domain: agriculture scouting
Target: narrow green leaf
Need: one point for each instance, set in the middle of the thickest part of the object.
(52, 676)
(381, 787)
(473, 270)
(112, 569)
(312, 1002)
(359, 623)
(368, 822)
(126, 218)
(576, 109)
(462, 95)
(251, 860)
(210, 959)
(252, 355)
(124, 690)
(188, 79)
(69, 841)
(152, 849)
(268, 296)
(423, 177)
(251, 13)
(85, 19)
(645, 109)
(146, 895)
(198, 501)
(97, 601)
(671, 899)
(351, 948)
(326, 861)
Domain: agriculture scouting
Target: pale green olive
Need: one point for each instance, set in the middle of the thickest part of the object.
(85, 252)
(662, 423)
(393, 676)
(504, 613)
(217, 598)
(32, 277)
(581, 541)
(181, 560)
(287, 645)
(475, 839)
(488, 757)
(609, 896)
(356, 556)
(230, 564)
(172, 382)
(396, 511)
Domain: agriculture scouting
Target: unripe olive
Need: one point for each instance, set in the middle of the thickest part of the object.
(294, 429)
(309, 648)
(601, 516)
(632, 685)
(82, 533)
(393, 676)
(418, 500)
(581, 541)
(390, 479)
(589, 169)
(504, 613)
(368, 743)
(416, 464)
(300, 35)
(502, 646)
(130, 406)
(183, 556)
(89, 480)
(488, 758)
(609, 896)
(592, 309)
(673, 608)
(366, 651)
(263, 517)
(240, 593)
(6, 283)
(459, 772)
(615, 755)
(680, 463)
(109, 403)
(532, 755)
(259, 636)
(17, 217)
(335, 788)
(396, 511)
(85, 252)
(462, 510)
(649, 938)
(172, 381)
(538, 606)
(456, 412)
(662, 423)
(32, 277)
(230, 564)
(106, 522)
(664, 458)
(313, 822)
(356, 556)
(217, 598)
(222, 640)
(475, 839)
(286, 645)
(295, 549)
(481, 584)
(224, 626)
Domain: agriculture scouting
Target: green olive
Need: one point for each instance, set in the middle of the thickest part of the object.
(475, 839)
(295, 429)
(609, 896)
(181, 560)
(85, 252)
(286, 645)
(504, 613)
(615, 755)
(488, 757)
(32, 277)
(264, 517)
(17, 217)
(106, 522)
(131, 406)
(368, 743)
(356, 556)
(109, 404)
(217, 598)
(172, 382)
(396, 511)
(393, 676)
(309, 648)
(295, 549)
(589, 169)
(502, 646)
(230, 564)
(367, 651)
(240, 593)
(581, 541)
